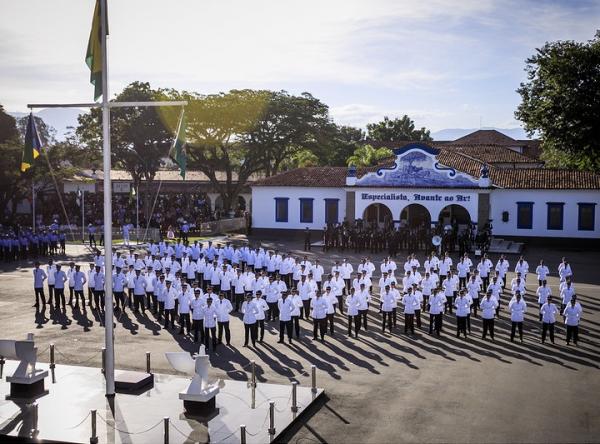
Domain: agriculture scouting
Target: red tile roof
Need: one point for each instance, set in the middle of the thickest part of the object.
(489, 153)
(485, 137)
(517, 178)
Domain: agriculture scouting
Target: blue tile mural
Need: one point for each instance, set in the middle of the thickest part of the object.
(417, 166)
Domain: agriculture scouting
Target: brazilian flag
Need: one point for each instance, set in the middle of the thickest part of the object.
(178, 151)
(33, 145)
(93, 56)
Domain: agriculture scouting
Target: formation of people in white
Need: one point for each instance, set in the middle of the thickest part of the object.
(201, 284)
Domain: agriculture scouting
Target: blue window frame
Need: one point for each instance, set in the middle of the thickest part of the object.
(306, 210)
(555, 215)
(331, 211)
(525, 215)
(587, 216)
(281, 209)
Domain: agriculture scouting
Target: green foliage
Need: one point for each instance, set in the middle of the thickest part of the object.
(367, 155)
(397, 130)
(561, 102)
(140, 139)
(8, 127)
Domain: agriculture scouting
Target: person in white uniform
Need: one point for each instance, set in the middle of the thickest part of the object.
(517, 308)
(249, 312)
(285, 308)
(548, 313)
(572, 314)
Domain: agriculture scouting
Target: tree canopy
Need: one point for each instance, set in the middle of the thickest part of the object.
(367, 155)
(561, 102)
(397, 130)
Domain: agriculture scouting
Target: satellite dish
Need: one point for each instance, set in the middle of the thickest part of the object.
(436, 241)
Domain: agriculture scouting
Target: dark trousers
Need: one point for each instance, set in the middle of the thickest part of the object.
(321, 326)
(448, 305)
(161, 309)
(138, 302)
(51, 294)
(330, 320)
(198, 327)
(340, 304)
(39, 292)
(418, 318)
(90, 297)
(224, 326)
(59, 296)
(488, 325)
(71, 293)
(475, 306)
(120, 299)
(394, 315)
(79, 294)
(238, 300)
(462, 282)
(130, 297)
(296, 325)
(287, 327)
(305, 309)
(435, 323)
(485, 281)
(169, 317)
(208, 333)
(261, 329)
(99, 299)
(386, 316)
(273, 312)
(572, 332)
(356, 321)
(250, 332)
(409, 322)
(513, 328)
(547, 328)
(184, 323)
(363, 317)
(461, 326)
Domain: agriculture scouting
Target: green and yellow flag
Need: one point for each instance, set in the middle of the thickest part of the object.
(33, 145)
(178, 151)
(93, 56)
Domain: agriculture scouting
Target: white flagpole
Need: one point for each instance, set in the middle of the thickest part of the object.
(109, 371)
(33, 204)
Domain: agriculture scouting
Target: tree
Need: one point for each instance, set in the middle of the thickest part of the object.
(397, 130)
(140, 138)
(337, 143)
(561, 102)
(8, 127)
(287, 125)
(366, 156)
(47, 133)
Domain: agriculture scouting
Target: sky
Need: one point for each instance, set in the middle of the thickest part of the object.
(447, 64)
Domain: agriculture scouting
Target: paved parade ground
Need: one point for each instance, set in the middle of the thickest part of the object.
(380, 387)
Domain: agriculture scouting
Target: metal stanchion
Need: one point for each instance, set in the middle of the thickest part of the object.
(2, 362)
(166, 419)
(94, 437)
(52, 365)
(34, 419)
(253, 406)
(147, 362)
(253, 374)
(313, 369)
(103, 359)
(294, 396)
(271, 417)
(242, 434)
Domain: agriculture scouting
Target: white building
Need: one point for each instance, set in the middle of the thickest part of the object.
(468, 182)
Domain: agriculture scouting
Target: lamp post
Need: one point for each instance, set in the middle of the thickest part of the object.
(137, 214)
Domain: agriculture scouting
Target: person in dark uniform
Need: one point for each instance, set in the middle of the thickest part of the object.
(307, 239)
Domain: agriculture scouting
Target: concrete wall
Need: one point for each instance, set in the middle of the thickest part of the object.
(506, 200)
(263, 206)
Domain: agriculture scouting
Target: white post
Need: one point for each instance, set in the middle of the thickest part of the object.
(83, 216)
(108, 313)
(33, 204)
(137, 216)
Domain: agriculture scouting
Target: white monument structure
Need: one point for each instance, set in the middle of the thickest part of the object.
(26, 381)
(200, 396)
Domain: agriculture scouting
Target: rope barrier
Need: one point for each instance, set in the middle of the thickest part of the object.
(261, 427)
(172, 424)
(160, 422)
(75, 363)
(80, 422)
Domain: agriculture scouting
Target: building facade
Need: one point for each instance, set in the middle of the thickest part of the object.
(441, 184)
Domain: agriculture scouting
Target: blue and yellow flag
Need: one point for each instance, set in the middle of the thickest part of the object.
(33, 144)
